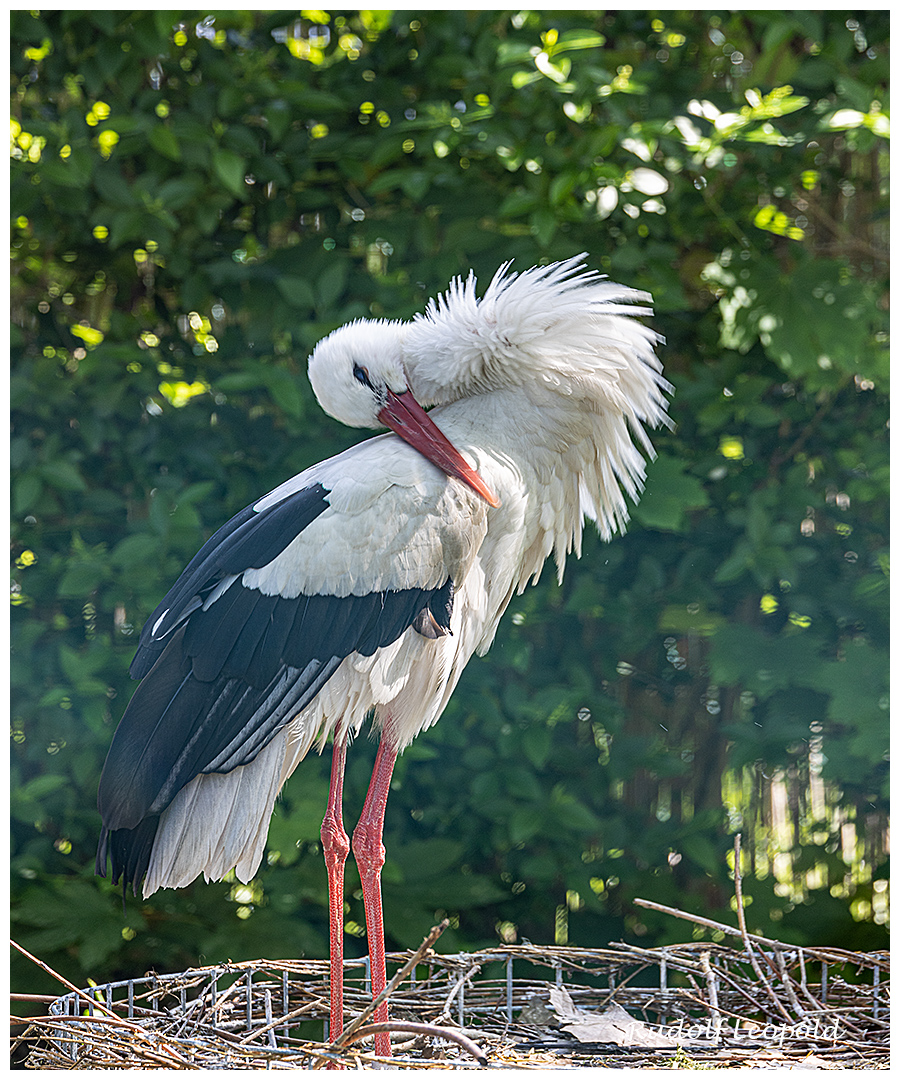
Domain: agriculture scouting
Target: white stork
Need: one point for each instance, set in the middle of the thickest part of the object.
(363, 585)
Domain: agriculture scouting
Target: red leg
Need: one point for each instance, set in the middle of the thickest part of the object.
(336, 846)
(369, 852)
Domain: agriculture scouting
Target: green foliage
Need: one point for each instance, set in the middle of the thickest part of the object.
(196, 201)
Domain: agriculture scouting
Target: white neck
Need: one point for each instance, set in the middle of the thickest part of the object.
(560, 457)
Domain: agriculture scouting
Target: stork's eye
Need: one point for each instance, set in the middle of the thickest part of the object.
(361, 375)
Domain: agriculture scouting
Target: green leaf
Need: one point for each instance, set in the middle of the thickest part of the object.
(744, 656)
(39, 787)
(415, 183)
(279, 119)
(178, 192)
(296, 290)
(82, 578)
(125, 226)
(237, 382)
(230, 168)
(135, 551)
(113, 187)
(578, 39)
(543, 226)
(429, 858)
(536, 742)
(389, 180)
(562, 186)
(231, 100)
(285, 390)
(690, 618)
(331, 283)
(857, 684)
(670, 494)
(701, 850)
(837, 309)
(164, 142)
(26, 491)
(524, 823)
(517, 203)
(304, 99)
(63, 475)
(521, 79)
(576, 816)
(65, 174)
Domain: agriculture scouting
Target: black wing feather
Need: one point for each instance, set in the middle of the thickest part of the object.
(241, 656)
(272, 644)
(248, 540)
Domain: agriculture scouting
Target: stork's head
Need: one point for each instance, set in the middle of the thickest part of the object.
(353, 370)
(358, 376)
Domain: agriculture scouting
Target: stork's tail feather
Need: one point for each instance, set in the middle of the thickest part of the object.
(128, 853)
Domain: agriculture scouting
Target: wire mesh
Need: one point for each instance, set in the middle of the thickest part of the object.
(715, 1003)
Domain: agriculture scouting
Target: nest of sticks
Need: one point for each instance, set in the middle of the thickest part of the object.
(760, 1003)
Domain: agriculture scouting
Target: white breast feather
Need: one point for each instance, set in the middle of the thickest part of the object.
(394, 521)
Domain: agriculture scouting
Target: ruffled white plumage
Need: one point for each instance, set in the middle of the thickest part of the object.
(568, 341)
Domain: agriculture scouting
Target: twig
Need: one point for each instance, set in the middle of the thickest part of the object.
(348, 1034)
(698, 999)
(463, 978)
(713, 992)
(398, 978)
(742, 923)
(279, 1021)
(738, 989)
(163, 1053)
(423, 1029)
(788, 984)
(711, 923)
(59, 978)
(95, 1004)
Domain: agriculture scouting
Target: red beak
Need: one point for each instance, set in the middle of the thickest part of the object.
(405, 415)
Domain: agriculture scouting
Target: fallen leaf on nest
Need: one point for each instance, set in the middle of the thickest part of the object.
(537, 1013)
(613, 1025)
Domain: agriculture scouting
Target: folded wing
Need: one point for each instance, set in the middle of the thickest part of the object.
(230, 657)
